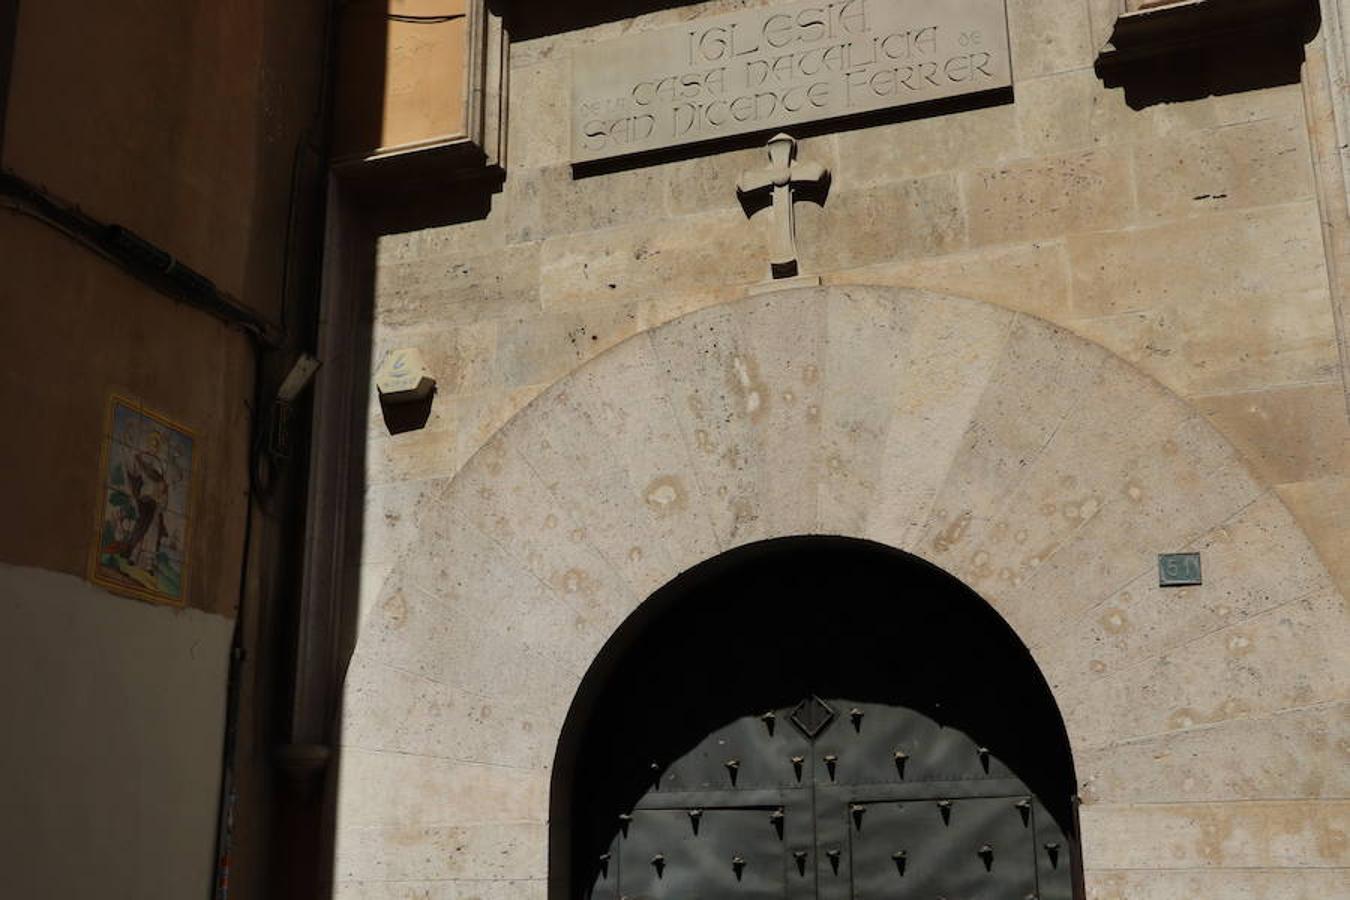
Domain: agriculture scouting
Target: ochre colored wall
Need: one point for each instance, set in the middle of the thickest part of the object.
(176, 120)
(86, 331)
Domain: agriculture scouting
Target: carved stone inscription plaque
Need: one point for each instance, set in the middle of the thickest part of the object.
(775, 66)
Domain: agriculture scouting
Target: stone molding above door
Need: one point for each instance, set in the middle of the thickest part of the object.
(1040, 470)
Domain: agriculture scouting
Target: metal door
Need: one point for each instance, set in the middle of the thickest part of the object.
(836, 800)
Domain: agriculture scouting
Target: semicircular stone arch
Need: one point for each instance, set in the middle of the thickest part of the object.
(1207, 723)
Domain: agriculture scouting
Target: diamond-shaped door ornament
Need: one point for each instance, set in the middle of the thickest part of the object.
(812, 716)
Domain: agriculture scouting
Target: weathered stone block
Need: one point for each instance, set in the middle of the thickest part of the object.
(996, 547)
(773, 379)
(428, 452)
(1196, 261)
(691, 254)
(540, 115)
(1115, 545)
(708, 183)
(1019, 413)
(1049, 197)
(892, 221)
(1072, 111)
(390, 516)
(390, 709)
(405, 790)
(481, 415)
(1322, 507)
(1031, 278)
(417, 629)
(1188, 293)
(502, 496)
(1264, 162)
(503, 852)
(1288, 657)
(925, 146)
(479, 234)
(540, 349)
(1291, 755)
(542, 203)
(1262, 835)
(506, 889)
(1049, 36)
(1295, 433)
(591, 483)
(1102, 15)
(1229, 883)
(458, 290)
(756, 381)
(880, 476)
(1143, 619)
(1191, 348)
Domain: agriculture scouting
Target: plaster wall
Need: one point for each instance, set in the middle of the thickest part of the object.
(114, 723)
(1183, 239)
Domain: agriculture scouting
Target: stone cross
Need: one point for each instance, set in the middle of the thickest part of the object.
(777, 184)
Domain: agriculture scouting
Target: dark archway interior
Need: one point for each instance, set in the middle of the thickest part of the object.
(762, 626)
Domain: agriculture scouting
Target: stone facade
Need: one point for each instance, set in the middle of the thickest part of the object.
(1131, 347)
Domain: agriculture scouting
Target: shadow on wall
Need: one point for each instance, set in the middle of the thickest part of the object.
(1173, 54)
(765, 625)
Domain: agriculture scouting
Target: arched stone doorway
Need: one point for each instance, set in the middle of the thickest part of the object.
(1038, 469)
(809, 718)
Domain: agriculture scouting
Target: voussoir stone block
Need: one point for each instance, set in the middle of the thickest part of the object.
(1291, 656)
(1295, 754)
(1143, 618)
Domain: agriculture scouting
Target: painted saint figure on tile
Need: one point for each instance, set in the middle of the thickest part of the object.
(144, 515)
